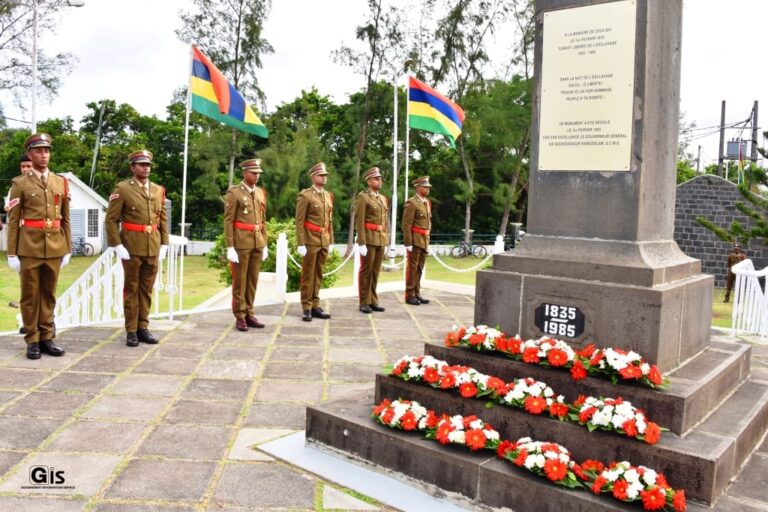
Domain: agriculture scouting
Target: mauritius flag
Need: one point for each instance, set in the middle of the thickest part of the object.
(215, 97)
(431, 111)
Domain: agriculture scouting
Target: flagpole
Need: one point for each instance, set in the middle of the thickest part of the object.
(184, 177)
(407, 136)
(393, 227)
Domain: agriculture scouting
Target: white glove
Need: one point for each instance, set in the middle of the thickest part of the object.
(409, 248)
(362, 250)
(429, 251)
(122, 252)
(65, 259)
(265, 253)
(302, 249)
(163, 252)
(232, 255)
(14, 263)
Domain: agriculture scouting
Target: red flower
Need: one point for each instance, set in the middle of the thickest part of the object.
(501, 344)
(678, 501)
(497, 385)
(448, 381)
(475, 439)
(578, 371)
(587, 351)
(535, 404)
(513, 345)
(431, 375)
(468, 390)
(558, 409)
(504, 447)
(580, 400)
(661, 481)
(521, 456)
(397, 370)
(579, 472)
(586, 414)
(596, 358)
(476, 339)
(653, 499)
(408, 421)
(380, 408)
(432, 419)
(630, 372)
(557, 357)
(652, 433)
(595, 466)
(620, 489)
(630, 427)
(531, 355)
(555, 469)
(443, 429)
(654, 375)
(388, 415)
(598, 484)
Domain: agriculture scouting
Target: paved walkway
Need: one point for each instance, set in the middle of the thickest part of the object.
(176, 426)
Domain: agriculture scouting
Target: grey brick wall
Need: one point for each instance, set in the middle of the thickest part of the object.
(711, 197)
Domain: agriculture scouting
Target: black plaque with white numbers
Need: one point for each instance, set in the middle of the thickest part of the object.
(559, 321)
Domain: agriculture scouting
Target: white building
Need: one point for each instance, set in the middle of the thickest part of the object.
(87, 212)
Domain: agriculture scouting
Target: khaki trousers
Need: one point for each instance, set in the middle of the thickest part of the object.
(311, 275)
(368, 276)
(39, 277)
(245, 279)
(140, 273)
(415, 268)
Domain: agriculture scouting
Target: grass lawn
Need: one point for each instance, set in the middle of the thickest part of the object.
(721, 313)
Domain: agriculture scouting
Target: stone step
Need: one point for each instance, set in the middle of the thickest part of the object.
(695, 388)
(702, 462)
(448, 471)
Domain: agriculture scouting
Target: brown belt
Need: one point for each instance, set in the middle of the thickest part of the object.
(314, 227)
(420, 231)
(41, 223)
(247, 227)
(374, 227)
(145, 228)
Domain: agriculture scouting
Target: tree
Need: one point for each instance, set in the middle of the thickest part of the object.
(755, 208)
(230, 32)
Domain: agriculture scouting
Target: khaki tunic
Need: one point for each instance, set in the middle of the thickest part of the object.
(128, 203)
(315, 207)
(417, 213)
(371, 209)
(243, 207)
(39, 249)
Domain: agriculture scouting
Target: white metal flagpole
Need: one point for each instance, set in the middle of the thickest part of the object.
(184, 182)
(393, 227)
(407, 136)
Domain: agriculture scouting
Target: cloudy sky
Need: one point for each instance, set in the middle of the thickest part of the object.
(127, 51)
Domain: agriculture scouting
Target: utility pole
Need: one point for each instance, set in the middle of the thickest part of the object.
(698, 161)
(722, 141)
(753, 153)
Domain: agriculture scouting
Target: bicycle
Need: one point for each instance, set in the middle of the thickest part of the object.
(463, 249)
(80, 246)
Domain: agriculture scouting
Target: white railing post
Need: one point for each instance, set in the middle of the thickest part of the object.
(356, 264)
(281, 266)
(750, 302)
(498, 247)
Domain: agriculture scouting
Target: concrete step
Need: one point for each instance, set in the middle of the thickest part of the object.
(695, 388)
(702, 462)
(448, 471)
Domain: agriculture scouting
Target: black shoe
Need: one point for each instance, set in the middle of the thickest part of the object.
(241, 325)
(146, 337)
(413, 301)
(422, 300)
(50, 348)
(253, 322)
(376, 307)
(307, 315)
(365, 308)
(319, 313)
(22, 330)
(33, 350)
(131, 339)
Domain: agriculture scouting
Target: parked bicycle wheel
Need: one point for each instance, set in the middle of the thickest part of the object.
(88, 249)
(479, 251)
(458, 251)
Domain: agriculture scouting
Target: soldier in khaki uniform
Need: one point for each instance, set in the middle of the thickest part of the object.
(245, 206)
(417, 222)
(371, 222)
(314, 236)
(141, 242)
(39, 243)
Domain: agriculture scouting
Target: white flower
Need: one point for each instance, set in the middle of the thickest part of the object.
(618, 421)
(565, 459)
(548, 392)
(491, 435)
(515, 394)
(457, 436)
(415, 371)
(634, 490)
(524, 440)
(457, 422)
(631, 476)
(625, 409)
(649, 477)
(645, 368)
(476, 425)
(549, 454)
(611, 476)
(601, 418)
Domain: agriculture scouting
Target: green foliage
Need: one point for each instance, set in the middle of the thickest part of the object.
(685, 171)
(217, 258)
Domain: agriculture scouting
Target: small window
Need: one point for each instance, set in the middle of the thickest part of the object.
(93, 223)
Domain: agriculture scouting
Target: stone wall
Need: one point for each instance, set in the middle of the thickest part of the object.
(714, 198)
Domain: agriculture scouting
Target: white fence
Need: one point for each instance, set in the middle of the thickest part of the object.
(750, 303)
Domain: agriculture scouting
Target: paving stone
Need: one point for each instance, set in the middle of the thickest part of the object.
(12, 378)
(229, 369)
(368, 343)
(83, 382)
(167, 366)
(277, 370)
(6, 355)
(285, 341)
(297, 355)
(91, 333)
(48, 405)
(752, 481)
(12, 504)
(359, 392)
(293, 416)
(148, 385)
(249, 438)
(216, 389)
(735, 504)
(133, 507)
(104, 364)
(8, 460)
(77, 347)
(163, 480)
(44, 363)
(97, 436)
(288, 391)
(242, 339)
(84, 474)
(203, 413)
(354, 372)
(254, 485)
(353, 355)
(362, 332)
(182, 350)
(126, 408)
(245, 353)
(337, 500)
(187, 442)
(24, 433)
(7, 396)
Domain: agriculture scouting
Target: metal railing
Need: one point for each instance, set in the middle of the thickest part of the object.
(750, 302)
(97, 295)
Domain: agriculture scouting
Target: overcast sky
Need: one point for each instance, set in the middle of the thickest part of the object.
(127, 51)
